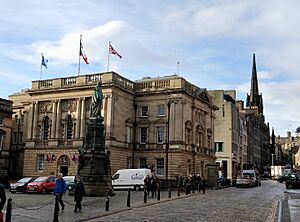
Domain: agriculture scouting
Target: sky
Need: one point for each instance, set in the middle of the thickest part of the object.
(212, 40)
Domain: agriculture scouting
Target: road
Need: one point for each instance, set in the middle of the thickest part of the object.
(228, 204)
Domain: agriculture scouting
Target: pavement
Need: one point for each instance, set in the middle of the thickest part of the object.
(273, 202)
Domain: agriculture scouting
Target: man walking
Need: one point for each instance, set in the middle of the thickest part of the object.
(60, 189)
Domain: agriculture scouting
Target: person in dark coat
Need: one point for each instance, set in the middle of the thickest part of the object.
(2, 200)
(78, 193)
(60, 189)
(204, 184)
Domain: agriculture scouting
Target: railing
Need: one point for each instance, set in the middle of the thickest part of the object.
(93, 78)
(69, 81)
(46, 83)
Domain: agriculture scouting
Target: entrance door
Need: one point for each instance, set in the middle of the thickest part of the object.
(64, 170)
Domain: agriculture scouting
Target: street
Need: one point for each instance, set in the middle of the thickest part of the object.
(228, 204)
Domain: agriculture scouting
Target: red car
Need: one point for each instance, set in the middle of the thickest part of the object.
(41, 185)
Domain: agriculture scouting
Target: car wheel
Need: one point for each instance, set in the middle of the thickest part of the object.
(13, 192)
(43, 191)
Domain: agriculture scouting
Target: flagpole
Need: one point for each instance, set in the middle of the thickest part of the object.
(41, 69)
(108, 56)
(79, 55)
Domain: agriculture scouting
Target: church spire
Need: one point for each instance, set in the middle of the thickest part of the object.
(254, 83)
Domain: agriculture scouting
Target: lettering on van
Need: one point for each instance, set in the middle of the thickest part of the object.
(137, 176)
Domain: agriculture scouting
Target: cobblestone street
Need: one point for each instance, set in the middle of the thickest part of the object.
(238, 204)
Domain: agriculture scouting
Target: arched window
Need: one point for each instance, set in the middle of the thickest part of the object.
(46, 128)
(69, 127)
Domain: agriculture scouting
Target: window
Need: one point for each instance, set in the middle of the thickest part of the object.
(219, 146)
(129, 162)
(129, 134)
(20, 137)
(160, 134)
(160, 166)
(144, 112)
(143, 163)
(69, 127)
(209, 142)
(46, 128)
(161, 110)
(144, 134)
(40, 163)
(1, 141)
(15, 137)
(1, 120)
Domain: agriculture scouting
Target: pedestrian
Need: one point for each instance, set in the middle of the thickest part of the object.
(2, 201)
(204, 184)
(78, 193)
(60, 189)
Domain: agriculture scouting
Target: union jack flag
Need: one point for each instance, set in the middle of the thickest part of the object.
(113, 51)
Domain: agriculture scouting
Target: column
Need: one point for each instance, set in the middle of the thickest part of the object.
(25, 126)
(58, 117)
(53, 120)
(78, 116)
(110, 112)
(30, 121)
(35, 120)
(82, 114)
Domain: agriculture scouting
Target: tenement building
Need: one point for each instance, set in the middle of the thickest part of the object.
(164, 122)
(227, 133)
(5, 137)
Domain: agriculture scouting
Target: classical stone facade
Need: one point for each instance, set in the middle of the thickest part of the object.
(5, 138)
(166, 122)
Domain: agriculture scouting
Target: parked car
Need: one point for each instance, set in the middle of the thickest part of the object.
(293, 182)
(42, 185)
(70, 180)
(283, 178)
(245, 181)
(21, 185)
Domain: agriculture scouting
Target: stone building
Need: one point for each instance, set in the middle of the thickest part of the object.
(5, 138)
(164, 122)
(258, 154)
(227, 132)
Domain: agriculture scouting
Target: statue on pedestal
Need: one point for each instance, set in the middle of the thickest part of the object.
(96, 103)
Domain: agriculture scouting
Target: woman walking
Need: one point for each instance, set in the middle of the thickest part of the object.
(78, 194)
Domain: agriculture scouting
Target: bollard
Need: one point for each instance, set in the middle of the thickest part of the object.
(128, 198)
(56, 209)
(178, 191)
(107, 202)
(145, 195)
(169, 189)
(193, 187)
(158, 193)
(8, 211)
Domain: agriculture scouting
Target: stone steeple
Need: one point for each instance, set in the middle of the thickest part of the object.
(254, 99)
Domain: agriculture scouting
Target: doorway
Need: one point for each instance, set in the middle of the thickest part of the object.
(64, 170)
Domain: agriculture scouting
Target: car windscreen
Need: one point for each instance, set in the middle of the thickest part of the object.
(24, 180)
(116, 176)
(69, 179)
(40, 179)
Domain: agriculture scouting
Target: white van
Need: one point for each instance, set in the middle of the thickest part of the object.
(129, 178)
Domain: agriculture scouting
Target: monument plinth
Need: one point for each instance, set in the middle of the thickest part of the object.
(94, 162)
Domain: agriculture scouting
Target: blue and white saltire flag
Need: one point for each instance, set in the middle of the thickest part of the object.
(44, 61)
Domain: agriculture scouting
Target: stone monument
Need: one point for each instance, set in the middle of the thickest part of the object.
(94, 162)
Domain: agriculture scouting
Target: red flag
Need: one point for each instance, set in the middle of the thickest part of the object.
(113, 51)
(82, 54)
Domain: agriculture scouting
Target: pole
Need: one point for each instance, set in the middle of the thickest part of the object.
(8, 211)
(168, 142)
(128, 198)
(108, 57)
(56, 209)
(79, 55)
(41, 68)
